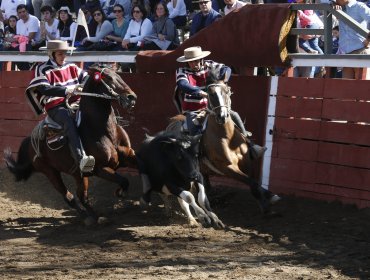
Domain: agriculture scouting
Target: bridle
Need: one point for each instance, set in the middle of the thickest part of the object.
(112, 95)
(211, 108)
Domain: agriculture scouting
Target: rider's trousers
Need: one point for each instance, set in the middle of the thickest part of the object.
(238, 121)
(63, 117)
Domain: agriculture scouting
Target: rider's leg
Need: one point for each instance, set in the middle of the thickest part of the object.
(256, 150)
(192, 128)
(62, 116)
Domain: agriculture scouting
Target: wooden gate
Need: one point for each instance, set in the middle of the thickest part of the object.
(321, 139)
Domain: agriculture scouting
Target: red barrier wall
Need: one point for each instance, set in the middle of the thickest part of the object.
(154, 105)
(321, 146)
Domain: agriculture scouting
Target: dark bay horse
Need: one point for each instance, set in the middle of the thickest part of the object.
(101, 137)
(224, 149)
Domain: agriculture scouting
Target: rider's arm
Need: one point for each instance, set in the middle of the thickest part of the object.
(49, 90)
(184, 86)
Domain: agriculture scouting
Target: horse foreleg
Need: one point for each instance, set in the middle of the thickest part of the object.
(111, 175)
(126, 157)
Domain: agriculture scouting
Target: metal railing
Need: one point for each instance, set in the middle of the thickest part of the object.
(328, 12)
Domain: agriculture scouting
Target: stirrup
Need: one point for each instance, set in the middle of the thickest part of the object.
(87, 164)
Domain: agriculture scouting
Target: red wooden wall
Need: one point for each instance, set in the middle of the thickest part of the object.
(322, 140)
(153, 110)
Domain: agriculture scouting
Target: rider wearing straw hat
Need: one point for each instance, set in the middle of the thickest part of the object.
(191, 83)
(54, 81)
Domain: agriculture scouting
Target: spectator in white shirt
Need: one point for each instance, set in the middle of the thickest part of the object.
(232, 5)
(28, 25)
(9, 8)
(177, 9)
(139, 27)
(49, 26)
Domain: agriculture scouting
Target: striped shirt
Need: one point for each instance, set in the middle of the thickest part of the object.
(48, 88)
(190, 83)
(350, 40)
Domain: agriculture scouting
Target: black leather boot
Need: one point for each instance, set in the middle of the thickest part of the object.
(257, 151)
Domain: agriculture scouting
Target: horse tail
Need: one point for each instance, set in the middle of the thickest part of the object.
(22, 168)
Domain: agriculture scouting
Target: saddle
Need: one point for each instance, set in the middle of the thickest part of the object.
(52, 132)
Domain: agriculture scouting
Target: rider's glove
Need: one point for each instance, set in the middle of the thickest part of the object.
(203, 93)
(70, 92)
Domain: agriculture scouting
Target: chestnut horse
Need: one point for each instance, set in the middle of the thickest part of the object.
(100, 135)
(224, 149)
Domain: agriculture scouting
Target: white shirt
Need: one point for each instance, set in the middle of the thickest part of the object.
(238, 4)
(10, 7)
(72, 31)
(179, 10)
(137, 31)
(31, 25)
(53, 30)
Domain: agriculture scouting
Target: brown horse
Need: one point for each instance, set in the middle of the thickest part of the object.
(224, 149)
(101, 137)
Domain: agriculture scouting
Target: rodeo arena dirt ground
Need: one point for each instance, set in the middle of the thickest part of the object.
(40, 238)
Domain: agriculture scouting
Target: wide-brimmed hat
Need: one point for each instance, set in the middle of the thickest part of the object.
(65, 8)
(57, 45)
(193, 53)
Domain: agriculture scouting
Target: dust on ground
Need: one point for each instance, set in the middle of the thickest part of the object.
(41, 238)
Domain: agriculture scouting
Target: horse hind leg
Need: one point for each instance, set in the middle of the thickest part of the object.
(264, 197)
(55, 178)
(82, 194)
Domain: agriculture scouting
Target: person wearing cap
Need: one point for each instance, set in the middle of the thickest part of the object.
(54, 81)
(191, 83)
(205, 17)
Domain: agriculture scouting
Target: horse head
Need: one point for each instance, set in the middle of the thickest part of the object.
(104, 79)
(219, 101)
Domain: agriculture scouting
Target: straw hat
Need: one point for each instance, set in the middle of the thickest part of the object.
(57, 45)
(65, 8)
(193, 53)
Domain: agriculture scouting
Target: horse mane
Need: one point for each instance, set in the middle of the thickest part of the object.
(213, 76)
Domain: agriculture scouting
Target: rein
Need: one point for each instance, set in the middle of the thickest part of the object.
(111, 96)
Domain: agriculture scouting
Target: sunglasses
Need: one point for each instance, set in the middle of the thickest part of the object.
(117, 11)
(97, 14)
(203, 2)
(137, 12)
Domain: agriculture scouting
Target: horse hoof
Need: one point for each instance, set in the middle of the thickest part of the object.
(89, 221)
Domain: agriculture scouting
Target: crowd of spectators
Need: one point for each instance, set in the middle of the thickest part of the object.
(126, 24)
